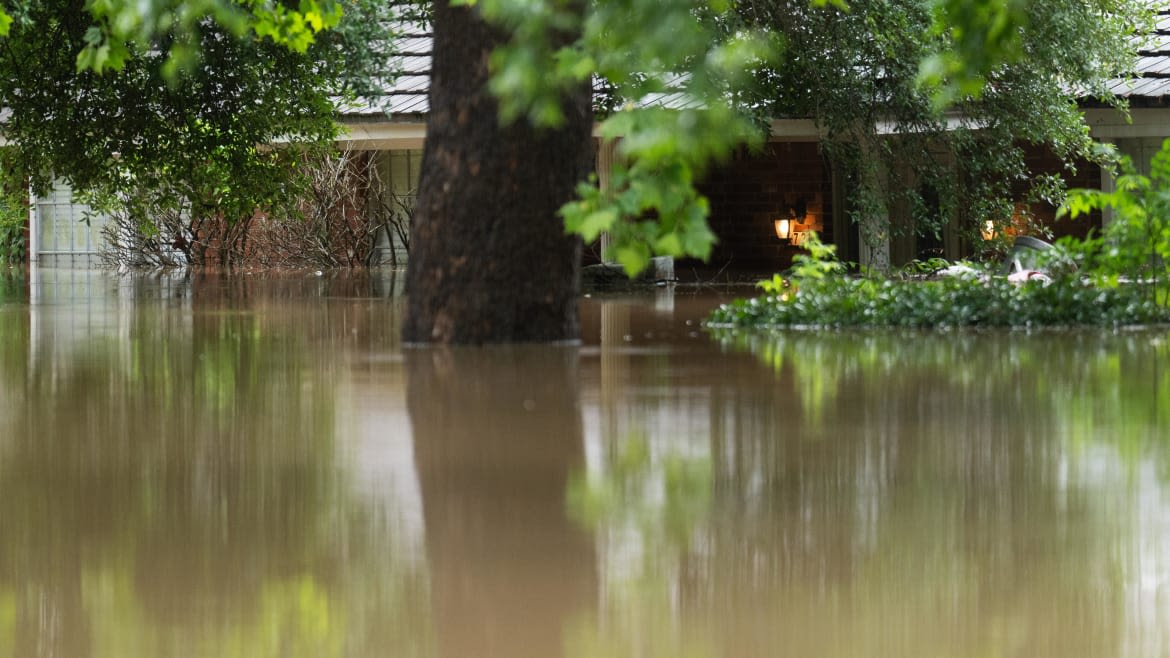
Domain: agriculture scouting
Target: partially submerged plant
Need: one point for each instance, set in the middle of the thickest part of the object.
(819, 294)
(1134, 246)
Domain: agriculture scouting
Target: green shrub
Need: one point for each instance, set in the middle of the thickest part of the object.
(1136, 243)
(952, 302)
(13, 244)
(818, 295)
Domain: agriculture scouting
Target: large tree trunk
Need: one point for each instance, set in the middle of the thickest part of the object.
(489, 260)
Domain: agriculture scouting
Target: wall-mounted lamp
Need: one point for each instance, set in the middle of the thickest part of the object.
(788, 227)
(783, 228)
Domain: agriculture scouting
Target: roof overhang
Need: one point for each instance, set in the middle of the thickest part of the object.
(795, 130)
(366, 135)
(1107, 123)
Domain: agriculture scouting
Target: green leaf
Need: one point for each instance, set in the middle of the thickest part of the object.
(669, 245)
(596, 223)
(633, 258)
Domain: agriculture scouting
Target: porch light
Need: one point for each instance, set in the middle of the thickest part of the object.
(783, 229)
(791, 225)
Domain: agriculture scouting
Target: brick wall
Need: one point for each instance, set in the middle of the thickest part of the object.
(1087, 175)
(751, 191)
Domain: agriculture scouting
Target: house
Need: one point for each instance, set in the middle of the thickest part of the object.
(790, 178)
(792, 173)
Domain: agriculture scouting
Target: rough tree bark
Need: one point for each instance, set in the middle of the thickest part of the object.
(490, 261)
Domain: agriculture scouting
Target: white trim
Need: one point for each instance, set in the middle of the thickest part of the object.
(952, 123)
(1104, 123)
(796, 130)
(383, 135)
(391, 135)
(1109, 124)
(806, 130)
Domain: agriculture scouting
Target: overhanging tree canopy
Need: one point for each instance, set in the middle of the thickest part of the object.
(860, 75)
(155, 134)
(710, 57)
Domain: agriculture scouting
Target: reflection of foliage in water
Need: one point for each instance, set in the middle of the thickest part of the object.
(7, 621)
(881, 494)
(994, 442)
(296, 617)
(667, 495)
(14, 336)
(660, 502)
(13, 286)
(173, 482)
(1102, 385)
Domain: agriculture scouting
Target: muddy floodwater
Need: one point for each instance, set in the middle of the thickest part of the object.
(253, 467)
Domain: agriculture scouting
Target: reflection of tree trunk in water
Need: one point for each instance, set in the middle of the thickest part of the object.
(497, 433)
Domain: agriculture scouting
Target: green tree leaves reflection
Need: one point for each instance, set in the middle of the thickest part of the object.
(857, 494)
(170, 485)
(878, 495)
(1108, 386)
(662, 499)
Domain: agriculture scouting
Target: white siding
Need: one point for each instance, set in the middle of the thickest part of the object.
(399, 170)
(64, 237)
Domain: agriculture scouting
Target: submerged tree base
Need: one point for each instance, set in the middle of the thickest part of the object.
(953, 302)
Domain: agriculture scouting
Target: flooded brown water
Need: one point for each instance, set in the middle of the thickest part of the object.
(255, 467)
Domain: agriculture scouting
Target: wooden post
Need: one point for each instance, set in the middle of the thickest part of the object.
(874, 243)
(606, 149)
(34, 237)
(1108, 184)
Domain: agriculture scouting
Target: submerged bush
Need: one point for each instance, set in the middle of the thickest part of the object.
(952, 302)
(820, 295)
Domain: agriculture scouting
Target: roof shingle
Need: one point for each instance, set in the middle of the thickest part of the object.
(407, 97)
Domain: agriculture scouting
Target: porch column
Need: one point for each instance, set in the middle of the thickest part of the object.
(1108, 183)
(874, 247)
(34, 231)
(842, 225)
(606, 151)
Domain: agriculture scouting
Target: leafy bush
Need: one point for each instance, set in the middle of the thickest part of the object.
(13, 244)
(1136, 243)
(952, 302)
(817, 296)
